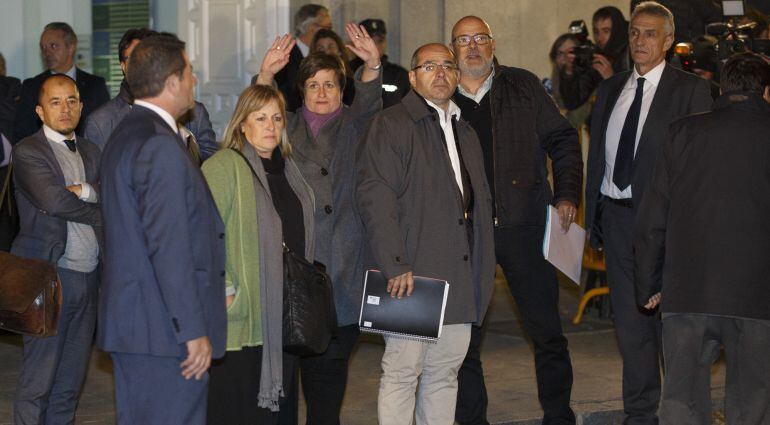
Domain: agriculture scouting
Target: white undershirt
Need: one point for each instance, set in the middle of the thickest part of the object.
(445, 119)
(618, 118)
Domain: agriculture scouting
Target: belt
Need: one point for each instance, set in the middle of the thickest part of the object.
(625, 202)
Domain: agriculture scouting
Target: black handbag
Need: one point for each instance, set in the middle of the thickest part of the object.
(309, 315)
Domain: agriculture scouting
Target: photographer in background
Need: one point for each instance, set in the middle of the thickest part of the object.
(560, 63)
(610, 55)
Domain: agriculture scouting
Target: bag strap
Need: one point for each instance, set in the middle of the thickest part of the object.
(7, 189)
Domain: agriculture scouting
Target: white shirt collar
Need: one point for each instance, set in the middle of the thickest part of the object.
(72, 72)
(304, 48)
(55, 136)
(481, 91)
(160, 111)
(451, 110)
(653, 76)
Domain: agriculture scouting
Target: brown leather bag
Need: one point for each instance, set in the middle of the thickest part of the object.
(30, 296)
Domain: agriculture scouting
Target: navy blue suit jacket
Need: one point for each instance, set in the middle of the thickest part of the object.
(163, 280)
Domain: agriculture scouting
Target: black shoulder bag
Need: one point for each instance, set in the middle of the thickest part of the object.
(309, 314)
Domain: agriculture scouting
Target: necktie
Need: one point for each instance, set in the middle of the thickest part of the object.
(70, 144)
(624, 159)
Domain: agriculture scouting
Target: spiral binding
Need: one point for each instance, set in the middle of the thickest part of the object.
(400, 335)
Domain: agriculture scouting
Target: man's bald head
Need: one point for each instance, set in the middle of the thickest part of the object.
(474, 46)
(55, 80)
(428, 47)
(59, 104)
(470, 19)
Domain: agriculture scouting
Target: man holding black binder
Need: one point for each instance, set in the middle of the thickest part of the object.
(426, 208)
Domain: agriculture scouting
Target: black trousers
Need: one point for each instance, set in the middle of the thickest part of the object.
(637, 330)
(234, 390)
(325, 376)
(691, 343)
(532, 282)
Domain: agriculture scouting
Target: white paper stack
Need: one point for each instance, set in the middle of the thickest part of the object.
(564, 250)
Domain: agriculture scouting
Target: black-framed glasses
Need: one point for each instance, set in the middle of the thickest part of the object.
(430, 67)
(464, 40)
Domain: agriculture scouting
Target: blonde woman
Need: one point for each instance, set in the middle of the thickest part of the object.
(264, 202)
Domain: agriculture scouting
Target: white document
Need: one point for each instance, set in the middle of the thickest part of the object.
(563, 250)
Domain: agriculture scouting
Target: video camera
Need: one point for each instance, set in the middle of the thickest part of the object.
(585, 49)
(734, 37)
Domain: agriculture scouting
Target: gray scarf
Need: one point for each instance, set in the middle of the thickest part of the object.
(271, 271)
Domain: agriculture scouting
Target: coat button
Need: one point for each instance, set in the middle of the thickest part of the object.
(222, 273)
(465, 258)
(324, 171)
(398, 259)
(221, 236)
(328, 209)
(514, 182)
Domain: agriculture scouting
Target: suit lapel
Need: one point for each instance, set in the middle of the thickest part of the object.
(658, 111)
(50, 156)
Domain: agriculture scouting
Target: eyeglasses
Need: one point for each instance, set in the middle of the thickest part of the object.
(432, 67)
(464, 40)
(314, 87)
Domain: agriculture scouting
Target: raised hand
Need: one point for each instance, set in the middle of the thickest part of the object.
(362, 45)
(275, 59)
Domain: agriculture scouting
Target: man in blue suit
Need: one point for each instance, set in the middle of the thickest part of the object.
(162, 305)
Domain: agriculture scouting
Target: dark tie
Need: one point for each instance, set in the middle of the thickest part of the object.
(624, 159)
(70, 144)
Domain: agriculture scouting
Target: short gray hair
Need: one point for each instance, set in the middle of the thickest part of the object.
(654, 8)
(308, 15)
(70, 37)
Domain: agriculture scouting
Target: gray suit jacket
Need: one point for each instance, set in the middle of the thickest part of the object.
(45, 205)
(101, 123)
(413, 212)
(326, 162)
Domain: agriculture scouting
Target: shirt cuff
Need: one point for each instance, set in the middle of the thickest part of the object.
(87, 193)
(230, 290)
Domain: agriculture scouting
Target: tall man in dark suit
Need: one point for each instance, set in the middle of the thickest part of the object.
(519, 128)
(628, 128)
(58, 45)
(307, 21)
(162, 305)
(56, 174)
(711, 263)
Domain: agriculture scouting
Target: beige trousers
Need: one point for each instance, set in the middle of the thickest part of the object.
(406, 363)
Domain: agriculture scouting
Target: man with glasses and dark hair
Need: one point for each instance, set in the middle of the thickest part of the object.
(519, 127)
(58, 45)
(425, 206)
(712, 296)
(307, 21)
